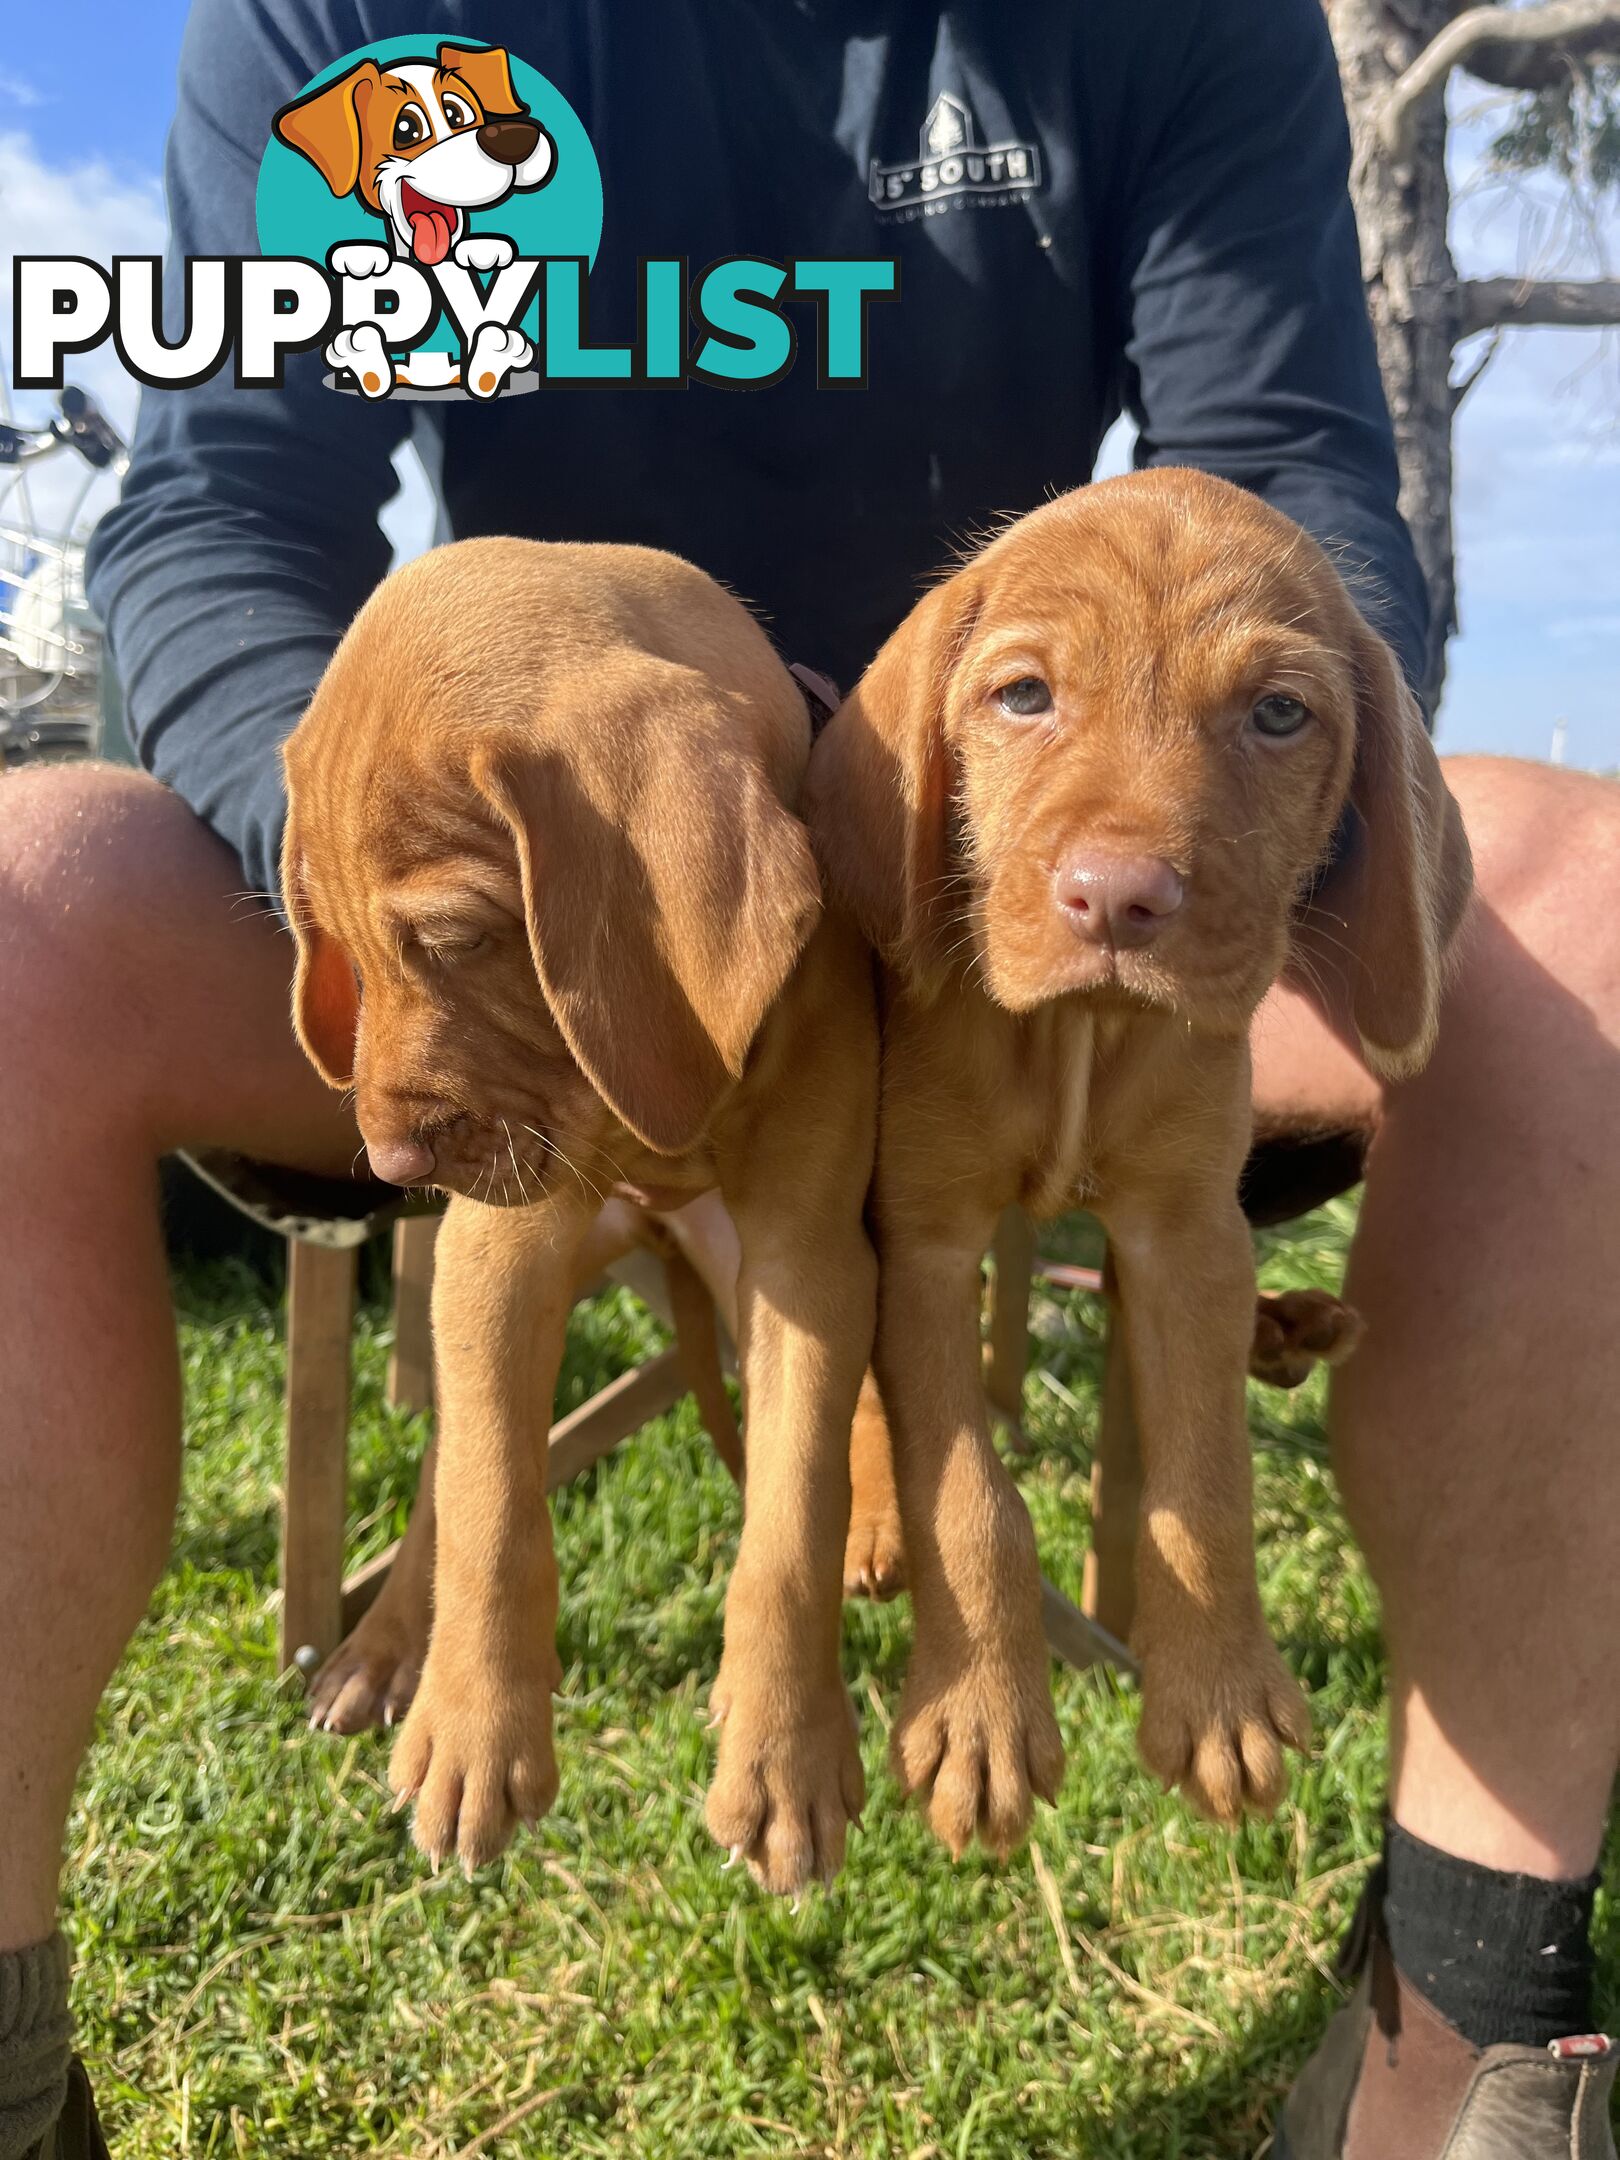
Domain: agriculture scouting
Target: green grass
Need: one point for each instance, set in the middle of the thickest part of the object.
(266, 1965)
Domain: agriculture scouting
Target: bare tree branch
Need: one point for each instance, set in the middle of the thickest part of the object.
(1492, 346)
(1579, 304)
(1546, 23)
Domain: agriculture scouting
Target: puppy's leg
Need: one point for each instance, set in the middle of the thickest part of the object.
(788, 1779)
(794, 1171)
(875, 1553)
(1218, 1704)
(475, 1753)
(975, 1738)
(372, 1675)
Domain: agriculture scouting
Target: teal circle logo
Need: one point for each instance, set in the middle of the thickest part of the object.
(417, 146)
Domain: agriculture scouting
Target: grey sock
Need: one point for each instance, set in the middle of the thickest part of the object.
(36, 2043)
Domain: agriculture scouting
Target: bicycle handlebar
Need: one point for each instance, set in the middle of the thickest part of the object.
(80, 425)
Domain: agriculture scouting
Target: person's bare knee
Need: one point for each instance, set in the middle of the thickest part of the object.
(62, 938)
(123, 934)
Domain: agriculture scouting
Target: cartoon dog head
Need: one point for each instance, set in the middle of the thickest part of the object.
(422, 142)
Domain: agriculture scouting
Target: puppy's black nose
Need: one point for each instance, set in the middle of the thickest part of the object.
(509, 142)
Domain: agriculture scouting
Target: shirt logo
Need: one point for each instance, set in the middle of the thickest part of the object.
(951, 167)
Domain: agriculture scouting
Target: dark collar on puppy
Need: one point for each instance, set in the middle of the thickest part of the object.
(822, 696)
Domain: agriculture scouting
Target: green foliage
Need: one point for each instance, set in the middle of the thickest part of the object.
(266, 1966)
(1572, 130)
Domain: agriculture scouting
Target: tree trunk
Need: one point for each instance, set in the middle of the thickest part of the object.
(1410, 278)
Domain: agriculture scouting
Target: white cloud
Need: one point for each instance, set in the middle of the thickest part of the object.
(83, 209)
(14, 90)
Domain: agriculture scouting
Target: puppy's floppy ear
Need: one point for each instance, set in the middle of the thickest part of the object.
(326, 997)
(668, 891)
(1407, 886)
(324, 126)
(878, 798)
(488, 74)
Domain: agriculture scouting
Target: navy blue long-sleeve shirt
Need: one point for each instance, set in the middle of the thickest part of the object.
(1182, 247)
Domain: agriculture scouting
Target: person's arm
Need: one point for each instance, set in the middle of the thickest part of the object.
(1248, 349)
(247, 535)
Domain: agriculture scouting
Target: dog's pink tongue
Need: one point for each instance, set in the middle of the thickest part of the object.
(430, 234)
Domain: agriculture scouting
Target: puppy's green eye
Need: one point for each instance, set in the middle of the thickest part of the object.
(1026, 697)
(1279, 716)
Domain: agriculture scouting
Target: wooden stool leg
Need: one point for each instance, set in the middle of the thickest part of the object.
(1108, 1593)
(320, 1317)
(410, 1362)
(1008, 1355)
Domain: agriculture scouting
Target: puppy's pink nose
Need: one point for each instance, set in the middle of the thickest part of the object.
(400, 1162)
(1118, 900)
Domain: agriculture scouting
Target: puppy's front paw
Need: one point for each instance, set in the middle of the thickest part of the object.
(362, 352)
(1216, 1724)
(788, 1782)
(483, 251)
(1298, 1330)
(976, 1741)
(359, 259)
(875, 1552)
(476, 1758)
(496, 353)
(374, 1672)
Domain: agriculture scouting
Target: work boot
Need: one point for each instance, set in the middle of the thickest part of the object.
(1394, 2080)
(76, 2132)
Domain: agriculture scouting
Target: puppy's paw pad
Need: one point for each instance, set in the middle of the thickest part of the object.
(362, 352)
(496, 353)
(786, 1786)
(483, 251)
(359, 259)
(1218, 1729)
(1299, 1330)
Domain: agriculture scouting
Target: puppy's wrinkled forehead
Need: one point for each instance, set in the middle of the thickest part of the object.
(382, 849)
(1160, 576)
(384, 813)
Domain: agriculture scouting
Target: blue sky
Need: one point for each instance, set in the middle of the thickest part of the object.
(84, 105)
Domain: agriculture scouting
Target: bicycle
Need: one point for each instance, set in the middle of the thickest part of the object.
(50, 644)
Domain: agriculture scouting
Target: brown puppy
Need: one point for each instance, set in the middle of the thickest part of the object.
(1075, 803)
(558, 924)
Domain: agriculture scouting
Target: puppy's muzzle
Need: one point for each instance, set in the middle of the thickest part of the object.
(509, 142)
(400, 1162)
(1120, 901)
(404, 1151)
